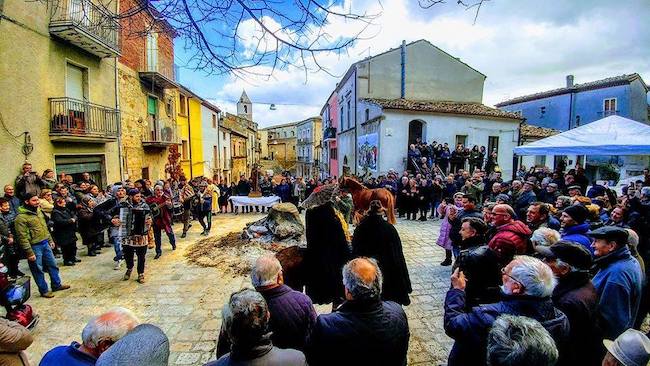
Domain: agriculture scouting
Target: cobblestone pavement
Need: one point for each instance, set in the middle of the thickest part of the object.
(185, 300)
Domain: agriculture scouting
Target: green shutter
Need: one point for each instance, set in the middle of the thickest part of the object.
(152, 105)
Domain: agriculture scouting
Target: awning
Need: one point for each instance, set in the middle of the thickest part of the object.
(613, 135)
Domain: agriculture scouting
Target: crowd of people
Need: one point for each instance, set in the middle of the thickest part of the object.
(546, 269)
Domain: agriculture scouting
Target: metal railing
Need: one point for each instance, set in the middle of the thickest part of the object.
(150, 61)
(69, 116)
(96, 20)
(161, 131)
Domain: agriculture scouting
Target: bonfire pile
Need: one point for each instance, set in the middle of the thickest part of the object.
(235, 253)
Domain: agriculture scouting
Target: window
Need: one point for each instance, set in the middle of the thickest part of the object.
(169, 107)
(215, 155)
(285, 133)
(333, 153)
(76, 82)
(542, 112)
(224, 135)
(493, 144)
(145, 173)
(577, 121)
(461, 139)
(609, 106)
(367, 114)
(348, 116)
(152, 117)
(214, 120)
(342, 123)
(245, 109)
(152, 52)
(185, 153)
(540, 160)
(182, 108)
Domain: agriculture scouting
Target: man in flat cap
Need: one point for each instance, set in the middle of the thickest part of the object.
(576, 296)
(618, 281)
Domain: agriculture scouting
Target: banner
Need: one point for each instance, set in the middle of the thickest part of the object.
(368, 152)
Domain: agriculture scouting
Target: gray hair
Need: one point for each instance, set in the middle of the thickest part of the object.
(245, 317)
(535, 275)
(110, 326)
(265, 271)
(545, 236)
(520, 341)
(358, 286)
(645, 191)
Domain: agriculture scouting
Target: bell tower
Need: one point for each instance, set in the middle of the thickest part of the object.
(245, 107)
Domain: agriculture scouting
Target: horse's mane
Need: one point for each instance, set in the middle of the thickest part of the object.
(353, 183)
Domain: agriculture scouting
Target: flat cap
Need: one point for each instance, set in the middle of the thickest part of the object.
(569, 252)
(617, 234)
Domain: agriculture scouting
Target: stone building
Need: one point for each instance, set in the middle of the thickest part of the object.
(308, 147)
(59, 106)
(243, 144)
(387, 101)
(148, 91)
(279, 151)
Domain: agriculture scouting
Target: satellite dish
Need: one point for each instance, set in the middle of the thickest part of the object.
(272, 107)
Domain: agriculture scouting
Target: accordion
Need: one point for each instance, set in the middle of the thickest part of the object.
(133, 221)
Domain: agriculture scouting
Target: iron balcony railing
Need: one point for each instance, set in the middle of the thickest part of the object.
(96, 22)
(79, 118)
(154, 68)
(329, 133)
(160, 132)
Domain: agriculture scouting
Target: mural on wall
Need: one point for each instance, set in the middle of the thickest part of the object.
(368, 151)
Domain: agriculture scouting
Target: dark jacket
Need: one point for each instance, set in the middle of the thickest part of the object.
(292, 318)
(551, 223)
(522, 202)
(576, 297)
(618, 284)
(578, 234)
(263, 354)
(327, 252)
(284, 192)
(64, 226)
(470, 329)
(482, 269)
(67, 355)
(243, 188)
(87, 227)
(369, 332)
(377, 238)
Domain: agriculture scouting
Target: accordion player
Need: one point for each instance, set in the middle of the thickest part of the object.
(134, 223)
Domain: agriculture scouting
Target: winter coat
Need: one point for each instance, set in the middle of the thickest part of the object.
(368, 332)
(454, 233)
(163, 220)
(31, 228)
(31, 183)
(470, 329)
(14, 340)
(261, 354)
(522, 202)
(14, 203)
(284, 192)
(445, 226)
(67, 355)
(376, 238)
(292, 318)
(87, 225)
(551, 223)
(224, 193)
(327, 252)
(64, 229)
(576, 297)
(578, 234)
(243, 188)
(511, 239)
(618, 284)
(482, 268)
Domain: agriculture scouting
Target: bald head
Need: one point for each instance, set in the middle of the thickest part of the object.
(502, 214)
(362, 279)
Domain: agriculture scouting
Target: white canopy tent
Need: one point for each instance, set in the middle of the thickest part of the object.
(613, 135)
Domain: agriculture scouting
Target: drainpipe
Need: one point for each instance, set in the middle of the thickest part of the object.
(355, 120)
(403, 70)
(189, 136)
(119, 122)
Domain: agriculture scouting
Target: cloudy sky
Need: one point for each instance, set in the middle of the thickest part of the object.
(523, 46)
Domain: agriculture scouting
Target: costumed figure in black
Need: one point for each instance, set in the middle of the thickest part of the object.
(377, 238)
(133, 222)
(327, 246)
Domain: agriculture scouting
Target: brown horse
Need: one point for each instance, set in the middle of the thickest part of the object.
(362, 196)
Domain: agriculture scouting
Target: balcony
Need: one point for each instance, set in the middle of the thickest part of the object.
(159, 134)
(156, 72)
(329, 133)
(87, 26)
(77, 120)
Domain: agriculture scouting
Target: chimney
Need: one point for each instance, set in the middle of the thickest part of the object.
(569, 81)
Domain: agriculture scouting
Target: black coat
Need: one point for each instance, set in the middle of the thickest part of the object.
(368, 332)
(64, 230)
(454, 232)
(576, 296)
(378, 239)
(481, 266)
(327, 252)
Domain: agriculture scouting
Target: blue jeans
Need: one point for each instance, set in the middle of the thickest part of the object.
(157, 236)
(44, 262)
(117, 246)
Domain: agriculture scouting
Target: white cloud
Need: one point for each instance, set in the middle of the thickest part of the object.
(522, 47)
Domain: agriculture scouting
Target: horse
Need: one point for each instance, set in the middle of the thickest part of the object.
(362, 196)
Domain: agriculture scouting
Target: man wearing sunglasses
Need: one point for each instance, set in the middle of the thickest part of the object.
(527, 285)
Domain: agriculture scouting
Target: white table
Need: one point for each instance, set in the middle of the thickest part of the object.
(241, 201)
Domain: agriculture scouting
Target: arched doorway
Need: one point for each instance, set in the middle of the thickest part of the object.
(416, 127)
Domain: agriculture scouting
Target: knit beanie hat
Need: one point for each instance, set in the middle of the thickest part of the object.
(577, 212)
